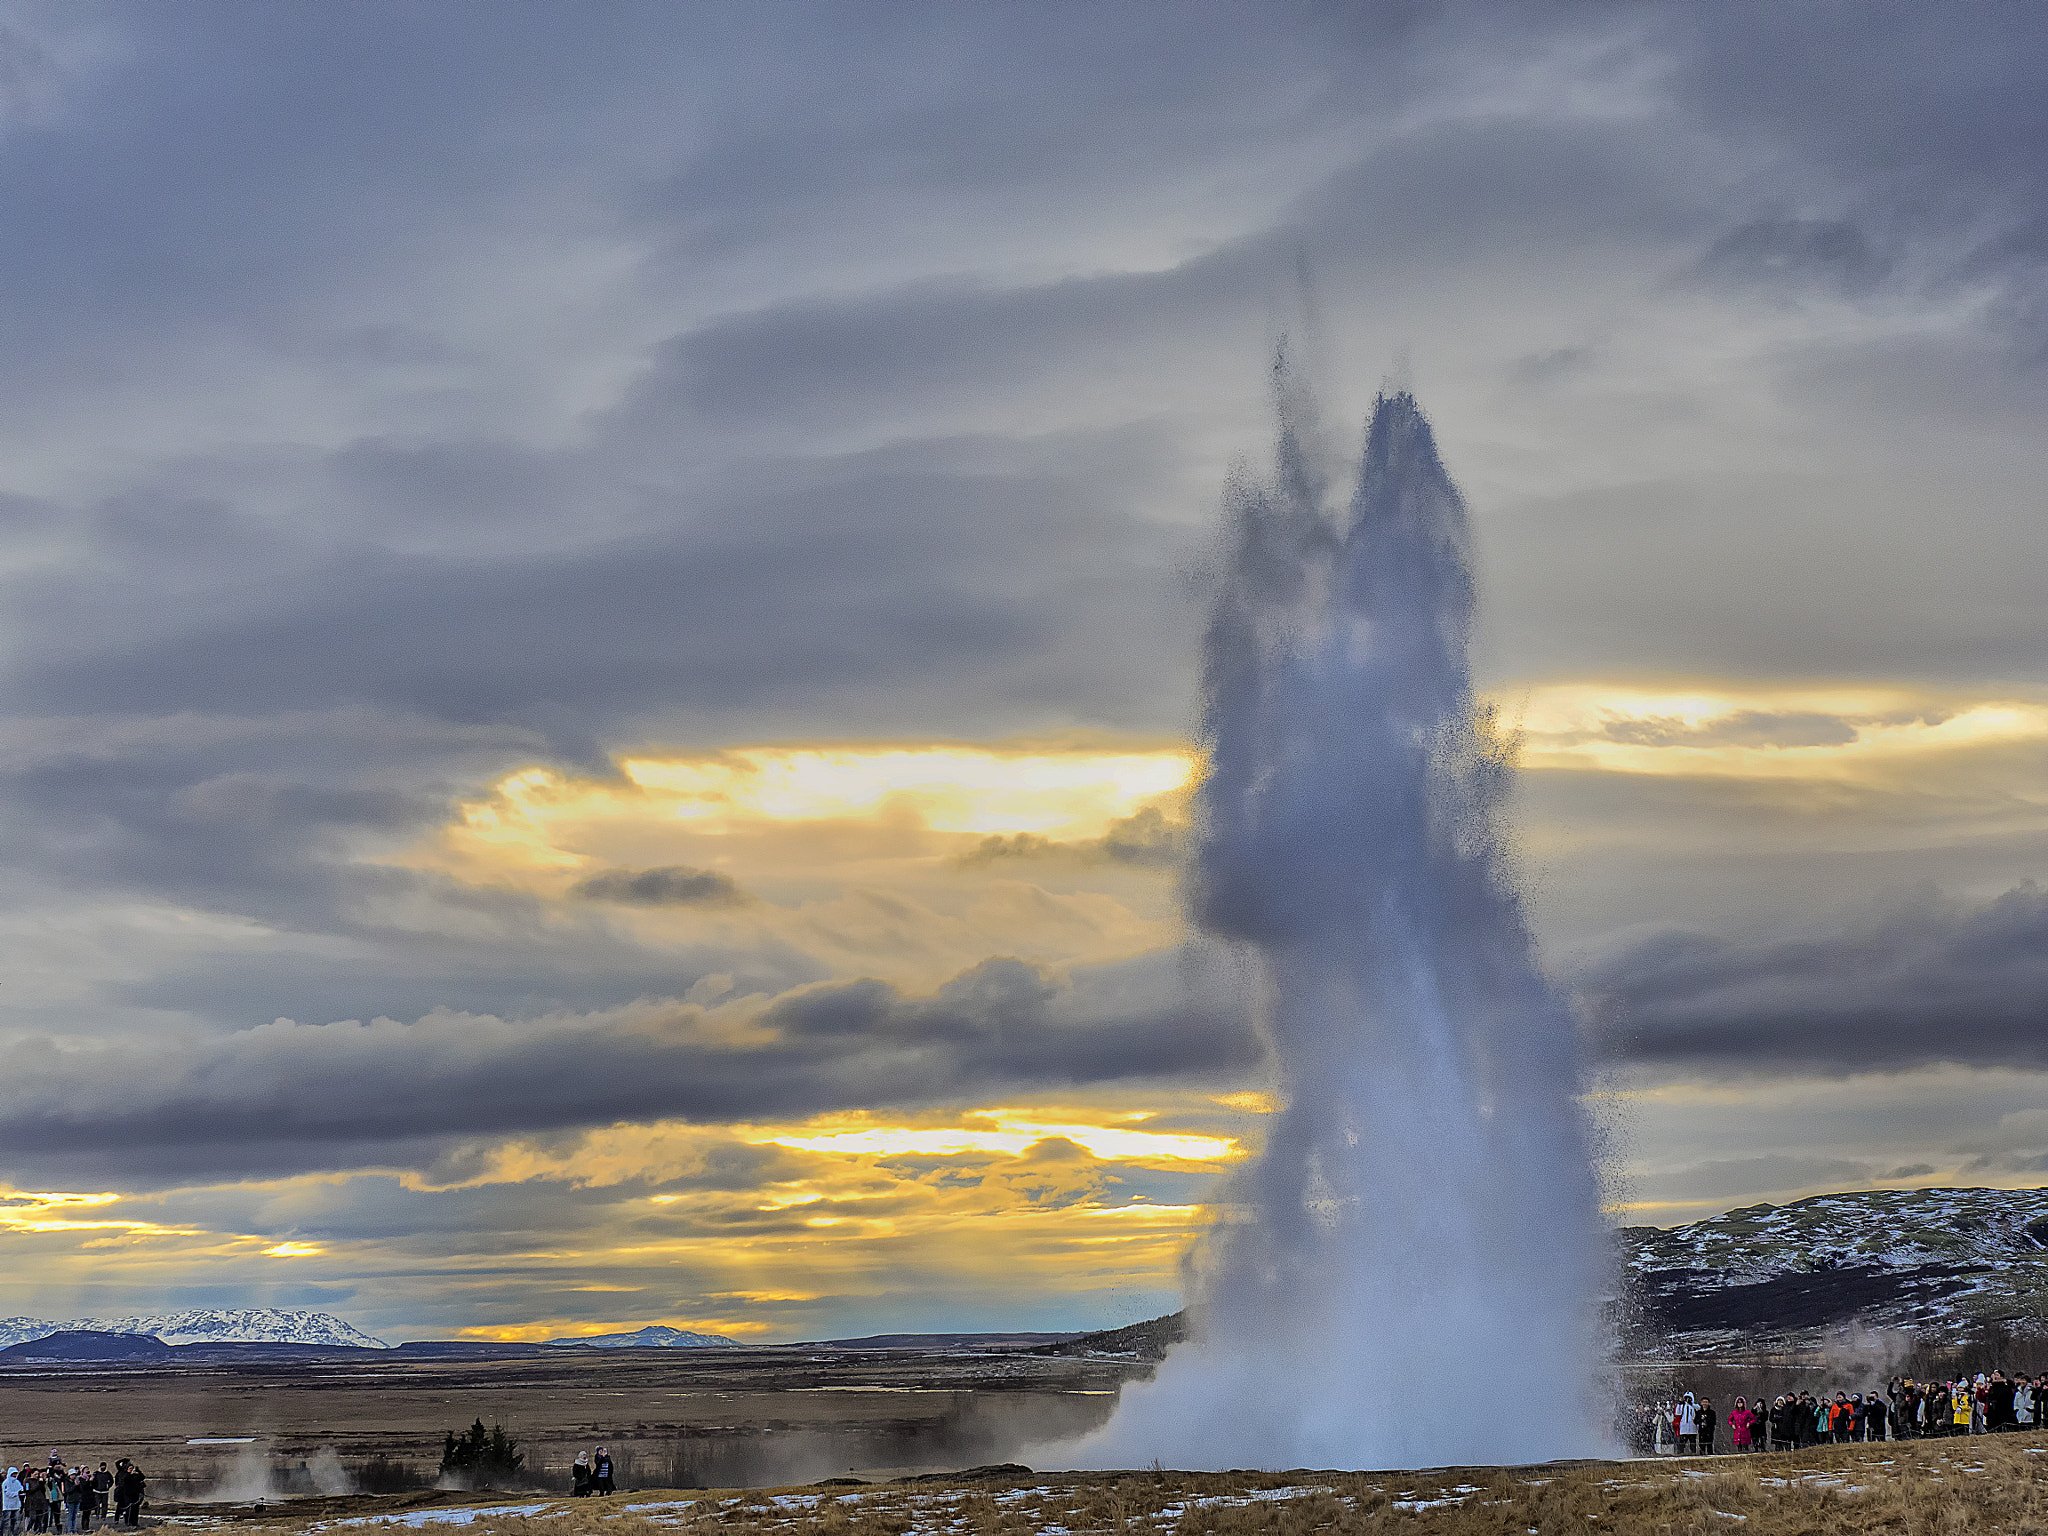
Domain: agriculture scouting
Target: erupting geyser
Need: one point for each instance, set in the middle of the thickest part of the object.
(1411, 1273)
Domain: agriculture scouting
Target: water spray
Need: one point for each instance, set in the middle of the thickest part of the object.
(1410, 1273)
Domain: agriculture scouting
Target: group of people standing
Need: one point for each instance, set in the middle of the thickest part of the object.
(590, 1473)
(65, 1499)
(1906, 1410)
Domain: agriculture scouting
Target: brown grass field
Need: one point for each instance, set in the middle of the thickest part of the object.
(768, 1428)
(712, 1418)
(1921, 1488)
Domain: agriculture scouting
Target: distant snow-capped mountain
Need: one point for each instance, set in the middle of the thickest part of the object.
(205, 1325)
(651, 1338)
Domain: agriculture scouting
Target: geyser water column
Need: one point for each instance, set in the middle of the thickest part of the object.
(1411, 1273)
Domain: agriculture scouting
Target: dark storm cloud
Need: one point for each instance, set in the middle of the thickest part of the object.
(1945, 156)
(1743, 728)
(287, 1096)
(868, 570)
(369, 942)
(915, 348)
(676, 885)
(1929, 981)
(1798, 251)
(1146, 840)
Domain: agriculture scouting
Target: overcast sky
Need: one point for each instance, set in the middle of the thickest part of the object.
(458, 459)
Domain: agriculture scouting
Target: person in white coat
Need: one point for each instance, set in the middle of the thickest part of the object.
(10, 1503)
(1688, 1426)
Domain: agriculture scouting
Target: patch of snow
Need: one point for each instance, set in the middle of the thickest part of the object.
(465, 1515)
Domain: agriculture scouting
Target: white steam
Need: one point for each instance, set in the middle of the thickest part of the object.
(328, 1474)
(1411, 1273)
(244, 1480)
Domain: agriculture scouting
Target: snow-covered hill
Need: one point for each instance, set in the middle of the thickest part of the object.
(1893, 1227)
(268, 1325)
(1939, 1261)
(655, 1338)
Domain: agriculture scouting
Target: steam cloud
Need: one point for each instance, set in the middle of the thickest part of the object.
(1410, 1274)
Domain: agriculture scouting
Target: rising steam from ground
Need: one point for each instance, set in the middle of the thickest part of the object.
(1411, 1273)
(246, 1479)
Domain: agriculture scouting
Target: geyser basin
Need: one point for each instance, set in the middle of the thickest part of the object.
(1410, 1275)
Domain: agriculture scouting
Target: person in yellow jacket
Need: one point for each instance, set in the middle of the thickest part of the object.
(1961, 1400)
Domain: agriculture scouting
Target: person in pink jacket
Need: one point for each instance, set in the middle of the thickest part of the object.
(1741, 1419)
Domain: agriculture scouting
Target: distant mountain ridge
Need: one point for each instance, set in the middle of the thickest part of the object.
(656, 1337)
(199, 1325)
(1940, 1262)
(68, 1345)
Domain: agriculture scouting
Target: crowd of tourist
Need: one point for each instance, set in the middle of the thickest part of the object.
(1905, 1410)
(69, 1499)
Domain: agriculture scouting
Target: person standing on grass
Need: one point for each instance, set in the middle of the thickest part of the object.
(601, 1472)
(1739, 1420)
(1686, 1423)
(1962, 1406)
(1709, 1422)
(579, 1476)
(10, 1503)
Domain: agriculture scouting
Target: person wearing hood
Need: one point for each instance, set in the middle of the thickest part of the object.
(1739, 1421)
(601, 1471)
(1686, 1421)
(10, 1503)
(579, 1476)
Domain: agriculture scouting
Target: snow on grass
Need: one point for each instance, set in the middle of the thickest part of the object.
(1255, 1496)
(465, 1515)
